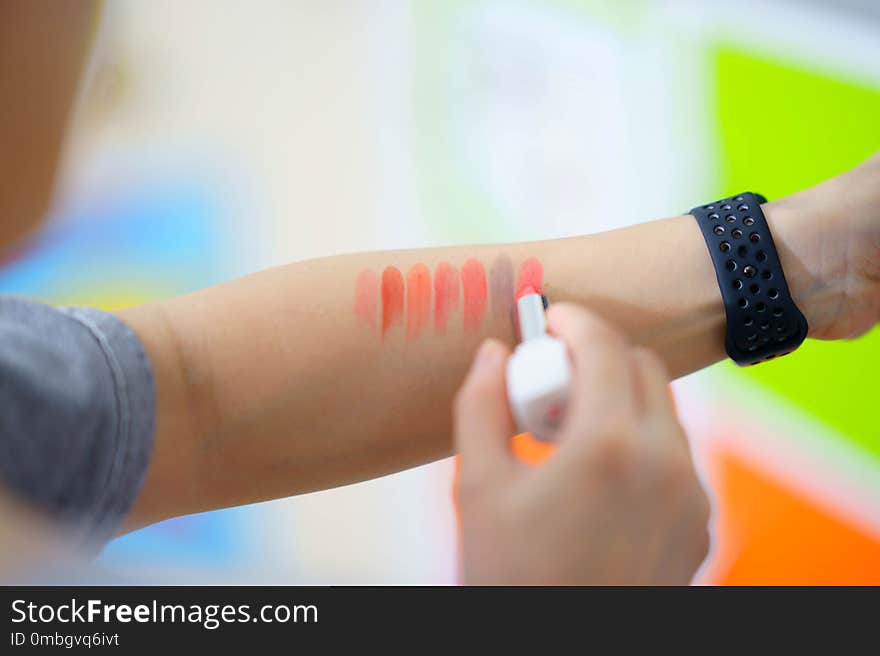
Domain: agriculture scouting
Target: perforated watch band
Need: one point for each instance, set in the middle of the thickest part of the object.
(763, 321)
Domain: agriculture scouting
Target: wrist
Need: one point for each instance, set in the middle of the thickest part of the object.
(813, 243)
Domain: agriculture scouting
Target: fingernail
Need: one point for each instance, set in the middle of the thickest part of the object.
(487, 355)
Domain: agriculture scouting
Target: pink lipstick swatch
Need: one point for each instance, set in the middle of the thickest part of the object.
(366, 295)
(473, 281)
(531, 274)
(446, 296)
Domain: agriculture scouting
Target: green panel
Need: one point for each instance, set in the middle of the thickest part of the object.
(804, 128)
(794, 129)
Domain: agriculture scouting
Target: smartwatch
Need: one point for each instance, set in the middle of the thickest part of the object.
(763, 321)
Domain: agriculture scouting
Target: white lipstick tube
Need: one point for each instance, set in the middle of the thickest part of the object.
(538, 373)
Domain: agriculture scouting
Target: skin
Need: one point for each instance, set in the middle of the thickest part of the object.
(25, 538)
(43, 45)
(268, 386)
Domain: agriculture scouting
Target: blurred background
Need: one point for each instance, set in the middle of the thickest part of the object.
(215, 138)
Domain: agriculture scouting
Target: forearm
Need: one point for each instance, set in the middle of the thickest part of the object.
(273, 384)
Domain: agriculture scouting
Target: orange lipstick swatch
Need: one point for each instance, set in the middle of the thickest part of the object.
(392, 298)
(418, 300)
(446, 295)
(473, 282)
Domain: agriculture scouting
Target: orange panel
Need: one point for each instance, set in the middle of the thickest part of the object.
(524, 446)
(528, 449)
(768, 534)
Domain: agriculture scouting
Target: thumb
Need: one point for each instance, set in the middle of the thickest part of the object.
(483, 425)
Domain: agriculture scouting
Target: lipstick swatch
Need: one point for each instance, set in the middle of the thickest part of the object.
(531, 274)
(501, 287)
(409, 301)
(473, 282)
(392, 298)
(446, 295)
(418, 300)
(366, 296)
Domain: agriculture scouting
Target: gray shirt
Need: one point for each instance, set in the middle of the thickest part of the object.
(78, 412)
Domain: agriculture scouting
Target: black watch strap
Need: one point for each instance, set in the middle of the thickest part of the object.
(763, 321)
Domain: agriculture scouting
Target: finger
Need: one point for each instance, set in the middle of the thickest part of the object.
(601, 392)
(660, 417)
(652, 383)
(483, 425)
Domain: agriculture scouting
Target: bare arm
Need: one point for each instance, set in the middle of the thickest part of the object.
(279, 383)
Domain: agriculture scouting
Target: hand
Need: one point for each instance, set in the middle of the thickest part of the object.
(828, 238)
(617, 502)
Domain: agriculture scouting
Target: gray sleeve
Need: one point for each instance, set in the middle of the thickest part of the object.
(78, 411)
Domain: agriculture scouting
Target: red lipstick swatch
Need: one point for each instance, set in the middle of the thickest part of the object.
(473, 280)
(445, 295)
(392, 298)
(418, 300)
(366, 294)
(531, 275)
